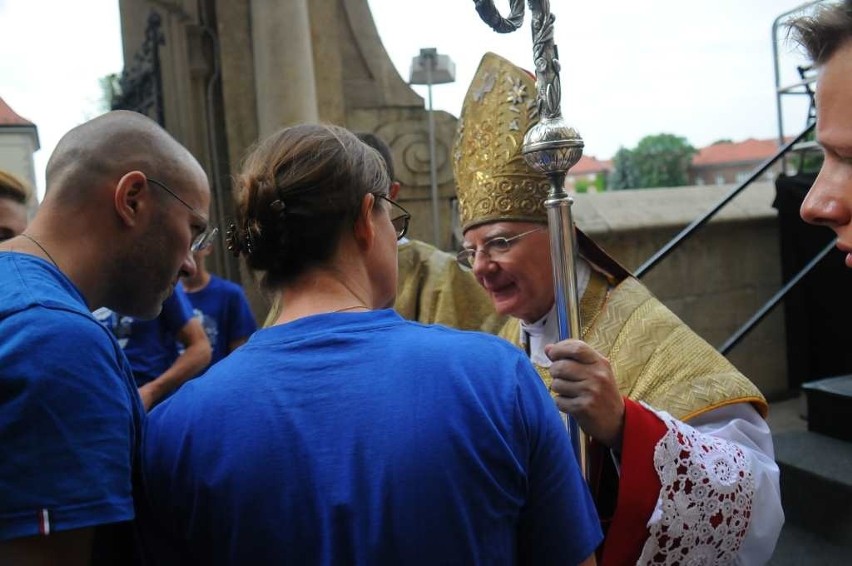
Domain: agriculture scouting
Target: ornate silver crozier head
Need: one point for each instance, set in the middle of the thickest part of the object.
(552, 147)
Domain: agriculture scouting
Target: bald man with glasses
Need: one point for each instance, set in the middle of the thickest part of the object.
(166, 352)
(105, 236)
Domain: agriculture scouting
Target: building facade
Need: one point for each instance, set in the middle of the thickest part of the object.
(728, 162)
(18, 142)
(220, 74)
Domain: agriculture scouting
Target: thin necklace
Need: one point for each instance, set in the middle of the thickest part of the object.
(353, 307)
(33, 240)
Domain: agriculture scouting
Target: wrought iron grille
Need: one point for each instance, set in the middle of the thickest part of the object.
(140, 87)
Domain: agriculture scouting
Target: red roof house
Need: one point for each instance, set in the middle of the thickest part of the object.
(727, 162)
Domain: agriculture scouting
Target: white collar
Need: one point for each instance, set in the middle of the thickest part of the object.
(536, 335)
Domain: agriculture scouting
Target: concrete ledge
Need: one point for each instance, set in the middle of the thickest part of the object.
(639, 209)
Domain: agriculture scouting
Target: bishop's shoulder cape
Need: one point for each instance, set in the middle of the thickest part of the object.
(655, 357)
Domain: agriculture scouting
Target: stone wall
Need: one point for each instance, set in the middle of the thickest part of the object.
(718, 278)
(406, 132)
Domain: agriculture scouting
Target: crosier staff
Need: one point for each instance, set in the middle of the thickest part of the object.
(551, 147)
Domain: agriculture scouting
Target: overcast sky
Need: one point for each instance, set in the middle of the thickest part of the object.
(698, 69)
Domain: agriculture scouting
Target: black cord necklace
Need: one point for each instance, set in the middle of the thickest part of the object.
(33, 240)
(353, 307)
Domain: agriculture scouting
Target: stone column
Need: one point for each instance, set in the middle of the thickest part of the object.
(328, 63)
(284, 64)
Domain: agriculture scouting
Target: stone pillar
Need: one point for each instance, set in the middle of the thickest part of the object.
(133, 14)
(285, 81)
(328, 62)
(237, 68)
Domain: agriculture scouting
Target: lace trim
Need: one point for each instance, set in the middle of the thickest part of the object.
(704, 507)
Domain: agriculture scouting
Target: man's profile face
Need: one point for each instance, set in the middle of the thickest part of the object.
(176, 226)
(160, 254)
(13, 218)
(829, 202)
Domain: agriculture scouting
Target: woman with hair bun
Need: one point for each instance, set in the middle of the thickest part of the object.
(344, 434)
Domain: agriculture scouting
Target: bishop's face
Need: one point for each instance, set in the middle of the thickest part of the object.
(519, 279)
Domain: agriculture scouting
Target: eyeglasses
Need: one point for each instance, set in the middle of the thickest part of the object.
(492, 249)
(203, 240)
(400, 222)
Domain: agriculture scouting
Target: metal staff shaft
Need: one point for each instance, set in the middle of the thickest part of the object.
(551, 147)
(563, 247)
(563, 251)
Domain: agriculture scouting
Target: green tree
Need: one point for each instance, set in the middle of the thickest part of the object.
(581, 186)
(624, 174)
(662, 160)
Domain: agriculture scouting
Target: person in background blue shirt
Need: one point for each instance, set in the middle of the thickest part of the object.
(151, 347)
(221, 306)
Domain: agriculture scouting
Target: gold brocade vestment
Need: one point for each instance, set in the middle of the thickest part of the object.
(654, 356)
(434, 289)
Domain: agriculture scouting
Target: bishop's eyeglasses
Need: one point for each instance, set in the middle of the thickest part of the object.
(491, 249)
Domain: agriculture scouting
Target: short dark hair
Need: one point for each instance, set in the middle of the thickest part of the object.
(298, 190)
(379, 145)
(13, 188)
(825, 32)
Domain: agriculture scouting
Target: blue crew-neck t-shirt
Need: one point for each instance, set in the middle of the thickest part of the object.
(70, 416)
(361, 438)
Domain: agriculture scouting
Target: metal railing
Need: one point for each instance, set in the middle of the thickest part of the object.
(675, 242)
(773, 302)
(696, 224)
(803, 86)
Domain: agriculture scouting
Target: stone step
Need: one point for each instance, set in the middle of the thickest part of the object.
(816, 485)
(829, 404)
(798, 547)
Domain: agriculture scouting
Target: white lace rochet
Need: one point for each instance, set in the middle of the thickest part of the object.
(704, 507)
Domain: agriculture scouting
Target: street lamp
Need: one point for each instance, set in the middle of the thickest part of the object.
(430, 68)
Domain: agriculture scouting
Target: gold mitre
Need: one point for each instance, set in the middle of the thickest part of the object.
(494, 183)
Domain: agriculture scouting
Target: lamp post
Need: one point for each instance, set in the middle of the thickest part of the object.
(431, 68)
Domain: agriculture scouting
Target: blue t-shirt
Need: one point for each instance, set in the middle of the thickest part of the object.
(361, 438)
(224, 313)
(150, 345)
(70, 416)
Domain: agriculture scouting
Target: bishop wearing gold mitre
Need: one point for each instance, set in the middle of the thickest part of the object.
(682, 463)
